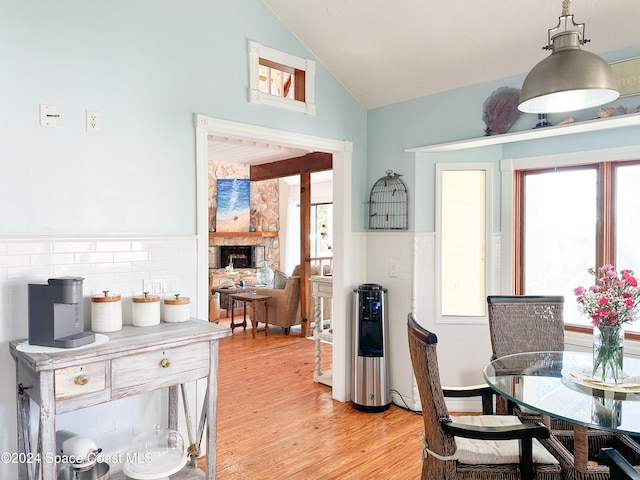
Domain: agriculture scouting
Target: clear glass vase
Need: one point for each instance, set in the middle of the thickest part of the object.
(606, 412)
(264, 275)
(608, 354)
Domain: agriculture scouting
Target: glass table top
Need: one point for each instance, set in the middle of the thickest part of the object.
(559, 384)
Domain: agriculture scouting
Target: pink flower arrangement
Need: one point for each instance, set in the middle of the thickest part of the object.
(613, 300)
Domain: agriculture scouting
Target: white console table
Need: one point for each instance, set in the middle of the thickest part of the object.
(321, 287)
(133, 361)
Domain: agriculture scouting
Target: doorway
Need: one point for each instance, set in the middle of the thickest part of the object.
(343, 257)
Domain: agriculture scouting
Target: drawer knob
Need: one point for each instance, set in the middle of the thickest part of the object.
(164, 363)
(81, 380)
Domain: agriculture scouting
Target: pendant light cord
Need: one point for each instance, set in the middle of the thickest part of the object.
(566, 4)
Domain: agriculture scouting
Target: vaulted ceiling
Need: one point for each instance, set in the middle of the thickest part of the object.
(388, 51)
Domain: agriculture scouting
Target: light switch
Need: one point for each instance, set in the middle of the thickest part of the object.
(393, 269)
(48, 116)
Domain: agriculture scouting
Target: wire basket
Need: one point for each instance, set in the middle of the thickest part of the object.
(389, 204)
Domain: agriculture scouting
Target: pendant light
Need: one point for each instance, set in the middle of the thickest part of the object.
(570, 78)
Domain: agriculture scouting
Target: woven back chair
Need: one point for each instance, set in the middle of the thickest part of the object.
(525, 323)
(530, 323)
(452, 444)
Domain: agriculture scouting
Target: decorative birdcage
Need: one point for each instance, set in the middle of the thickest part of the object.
(388, 204)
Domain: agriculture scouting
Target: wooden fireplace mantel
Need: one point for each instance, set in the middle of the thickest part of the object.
(241, 234)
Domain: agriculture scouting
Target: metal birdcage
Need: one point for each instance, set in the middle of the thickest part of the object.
(388, 204)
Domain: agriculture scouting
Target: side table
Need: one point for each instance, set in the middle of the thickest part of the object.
(254, 299)
(133, 361)
(225, 301)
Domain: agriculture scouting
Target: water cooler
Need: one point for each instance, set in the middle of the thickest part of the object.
(371, 391)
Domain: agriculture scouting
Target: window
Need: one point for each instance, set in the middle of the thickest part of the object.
(321, 230)
(462, 227)
(571, 218)
(281, 80)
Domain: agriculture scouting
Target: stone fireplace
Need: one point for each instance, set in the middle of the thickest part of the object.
(251, 247)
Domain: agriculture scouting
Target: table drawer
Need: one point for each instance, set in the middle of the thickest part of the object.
(79, 380)
(158, 369)
(322, 289)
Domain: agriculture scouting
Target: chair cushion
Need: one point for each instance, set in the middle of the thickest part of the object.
(279, 280)
(477, 452)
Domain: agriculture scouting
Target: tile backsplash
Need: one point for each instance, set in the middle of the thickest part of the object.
(163, 265)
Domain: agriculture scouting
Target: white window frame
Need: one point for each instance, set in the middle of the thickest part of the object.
(488, 169)
(258, 51)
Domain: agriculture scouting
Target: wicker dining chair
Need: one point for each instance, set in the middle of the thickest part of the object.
(620, 468)
(528, 323)
(482, 447)
(525, 323)
(597, 441)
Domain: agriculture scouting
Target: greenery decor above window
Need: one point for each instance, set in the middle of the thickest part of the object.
(281, 80)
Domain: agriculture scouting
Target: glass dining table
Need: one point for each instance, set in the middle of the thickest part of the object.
(559, 384)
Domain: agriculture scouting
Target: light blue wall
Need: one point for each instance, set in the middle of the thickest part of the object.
(457, 115)
(147, 66)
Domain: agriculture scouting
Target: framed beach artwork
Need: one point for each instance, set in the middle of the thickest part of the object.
(233, 199)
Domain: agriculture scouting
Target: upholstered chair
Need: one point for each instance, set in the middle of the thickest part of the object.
(284, 305)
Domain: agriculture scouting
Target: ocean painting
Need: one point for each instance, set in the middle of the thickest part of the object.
(233, 205)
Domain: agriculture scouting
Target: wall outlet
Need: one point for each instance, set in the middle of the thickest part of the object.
(93, 121)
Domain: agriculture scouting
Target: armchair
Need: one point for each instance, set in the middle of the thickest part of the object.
(473, 447)
(284, 305)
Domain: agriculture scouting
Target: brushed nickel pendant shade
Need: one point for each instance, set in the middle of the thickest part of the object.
(570, 78)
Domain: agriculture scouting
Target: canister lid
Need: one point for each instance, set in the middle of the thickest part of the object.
(177, 301)
(146, 298)
(106, 297)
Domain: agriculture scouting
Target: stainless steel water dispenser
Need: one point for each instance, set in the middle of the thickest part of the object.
(371, 392)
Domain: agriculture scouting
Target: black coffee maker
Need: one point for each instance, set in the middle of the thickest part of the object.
(56, 313)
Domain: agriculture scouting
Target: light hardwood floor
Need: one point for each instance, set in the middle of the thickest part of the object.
(274, 422)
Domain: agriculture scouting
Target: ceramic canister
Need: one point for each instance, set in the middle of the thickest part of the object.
(106, 312)
(145, 310)
(177, 309)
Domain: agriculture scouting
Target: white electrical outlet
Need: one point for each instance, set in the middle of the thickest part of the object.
(48, 116)
(93, 121)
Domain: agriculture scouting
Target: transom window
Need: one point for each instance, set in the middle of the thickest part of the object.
(281, 80)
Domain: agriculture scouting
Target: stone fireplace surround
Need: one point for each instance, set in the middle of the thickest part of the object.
(265, 220)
